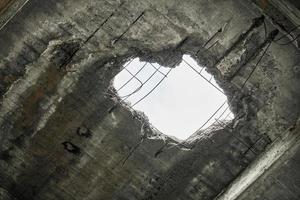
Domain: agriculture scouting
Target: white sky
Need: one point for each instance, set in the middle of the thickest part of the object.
(181, 104)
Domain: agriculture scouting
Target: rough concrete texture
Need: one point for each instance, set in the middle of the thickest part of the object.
(64, 134)
(4, 4)
(281, 181)
(265, 168)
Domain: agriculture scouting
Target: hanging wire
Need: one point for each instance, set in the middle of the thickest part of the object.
(227, 116)
(256, 65)
(203, 76)
(153, 88)
(213, 115)
(130, 94)
(223, 113)
(165, 75)
(209, 81)
(143, 84)
(293, 40)
(290, 34)
(157, 69)
(244, 84)
(132, 77)
(124, 66)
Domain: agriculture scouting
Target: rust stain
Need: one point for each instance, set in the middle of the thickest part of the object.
(9, 79)
(46, 86)
(264, 4)
(4, 4)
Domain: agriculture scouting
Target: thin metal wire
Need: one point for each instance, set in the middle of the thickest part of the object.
(165, 75)
(132, 77)
(251, 73)
(202, 68)
(153, 88)
(227, 116)
(143, 84)
(211, 45)
(128, 28)
(212, 37)
(14, 14)
(130, 94)
(259, 60)
(289, 33)
(289, 42)
(157, 70)
(212, 115)
(128, 63)
(221, 123)
(244, 84)
(203, 76)
(209, 81)
(223, 113)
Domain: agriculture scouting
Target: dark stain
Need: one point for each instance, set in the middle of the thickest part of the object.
(84, 132)
(292, 128)
(182, 42)
(264, 4)
(5, 155)
(112, 108)
(72, 148)
(63, 53)
(160, 150)
(19, 141)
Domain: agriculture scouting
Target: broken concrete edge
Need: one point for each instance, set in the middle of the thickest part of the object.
(11, 11)
(171, 57)
(249, 131)
(150, 132)
(263, 162)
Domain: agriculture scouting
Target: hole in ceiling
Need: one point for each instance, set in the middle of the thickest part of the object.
(178, 101)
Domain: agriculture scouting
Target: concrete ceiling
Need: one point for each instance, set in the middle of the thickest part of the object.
(65, 135)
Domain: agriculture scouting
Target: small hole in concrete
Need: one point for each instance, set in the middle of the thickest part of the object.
(181, 104)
